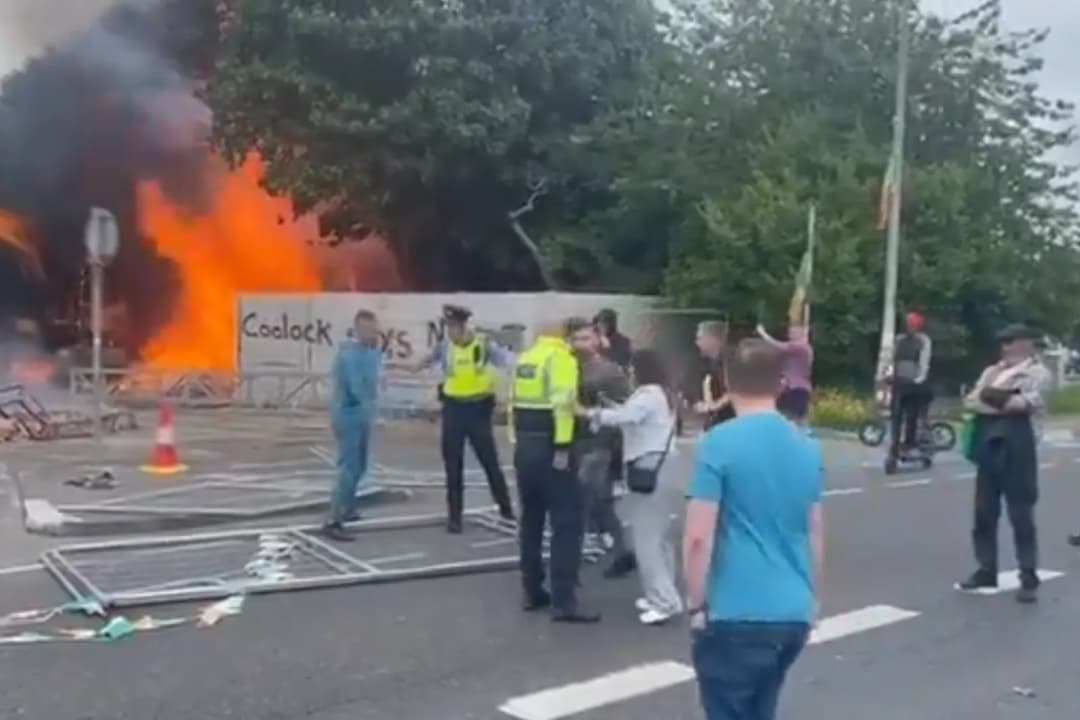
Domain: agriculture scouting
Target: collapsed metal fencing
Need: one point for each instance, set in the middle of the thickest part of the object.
(402, 396)
(148, 571)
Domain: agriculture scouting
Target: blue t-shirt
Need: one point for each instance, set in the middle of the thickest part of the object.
(766, 474)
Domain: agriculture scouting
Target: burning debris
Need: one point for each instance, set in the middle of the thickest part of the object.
(110, 117)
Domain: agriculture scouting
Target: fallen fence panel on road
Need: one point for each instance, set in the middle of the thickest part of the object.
(147, 571)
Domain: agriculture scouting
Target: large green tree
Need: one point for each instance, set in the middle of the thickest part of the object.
(989, 220)
(435, 123)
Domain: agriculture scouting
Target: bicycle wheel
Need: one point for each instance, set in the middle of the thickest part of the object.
(942, 435)
(872, 433)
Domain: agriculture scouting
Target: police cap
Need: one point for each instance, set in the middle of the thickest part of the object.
(456, 314)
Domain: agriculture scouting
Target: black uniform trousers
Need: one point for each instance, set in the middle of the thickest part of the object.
(1006, 470)
(471, 420)
(548, 494)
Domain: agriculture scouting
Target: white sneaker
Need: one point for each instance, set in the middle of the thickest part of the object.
(654, 617)
(643, 605)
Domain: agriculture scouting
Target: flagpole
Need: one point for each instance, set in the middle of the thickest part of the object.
(811, 242)
(892, 244)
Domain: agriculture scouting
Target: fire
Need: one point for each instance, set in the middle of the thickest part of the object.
(13, 232)
(32, 372)
(245, 242)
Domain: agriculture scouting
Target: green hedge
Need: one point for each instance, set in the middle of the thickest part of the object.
(841, 409)
(1066, 400)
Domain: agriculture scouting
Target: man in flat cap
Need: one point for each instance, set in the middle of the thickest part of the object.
(467, 392)
(1008, 400)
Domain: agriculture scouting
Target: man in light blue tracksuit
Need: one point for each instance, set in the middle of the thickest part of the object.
(352, 414)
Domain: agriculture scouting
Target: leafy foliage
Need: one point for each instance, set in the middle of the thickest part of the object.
(984, 208)
(673, 156)
(429, 120)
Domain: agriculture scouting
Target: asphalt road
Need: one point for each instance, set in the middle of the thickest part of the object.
(459, 648)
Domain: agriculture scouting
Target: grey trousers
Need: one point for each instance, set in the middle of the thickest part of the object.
(599, 510)
(652, 520)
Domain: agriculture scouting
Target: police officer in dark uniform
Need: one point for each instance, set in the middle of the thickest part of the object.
(468, 407)
(543, 398)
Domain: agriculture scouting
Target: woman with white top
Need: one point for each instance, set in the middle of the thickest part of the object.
(647, 420)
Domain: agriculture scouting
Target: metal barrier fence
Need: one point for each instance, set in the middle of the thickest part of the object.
(401, 395)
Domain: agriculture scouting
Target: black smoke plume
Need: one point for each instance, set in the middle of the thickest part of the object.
(80, 125)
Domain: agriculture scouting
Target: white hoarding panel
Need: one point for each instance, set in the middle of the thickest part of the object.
(302, 332)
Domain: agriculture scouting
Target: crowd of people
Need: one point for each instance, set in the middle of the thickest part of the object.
(591, 419)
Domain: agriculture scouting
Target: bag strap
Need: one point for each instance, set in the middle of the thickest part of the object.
(670, 440)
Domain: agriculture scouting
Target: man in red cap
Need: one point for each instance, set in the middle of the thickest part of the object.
(910, 393)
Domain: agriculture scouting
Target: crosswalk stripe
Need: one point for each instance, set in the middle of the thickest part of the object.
(1010, 581)
(858, 621)
(579, 697)
(572, 699)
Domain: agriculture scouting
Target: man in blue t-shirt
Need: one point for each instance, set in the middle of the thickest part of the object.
(754, 544)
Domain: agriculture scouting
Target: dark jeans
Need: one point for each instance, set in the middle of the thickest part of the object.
(599, 498)
(546, 493)
(741, 666)
(472, 421)
(910, 404)
(1003, 475)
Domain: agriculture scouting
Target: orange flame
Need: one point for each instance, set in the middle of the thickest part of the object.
(243, 243)
(13, 232)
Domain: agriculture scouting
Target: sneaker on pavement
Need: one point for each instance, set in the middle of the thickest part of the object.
(654, 617)
(337, 532)
(643, 605)
(979, 580)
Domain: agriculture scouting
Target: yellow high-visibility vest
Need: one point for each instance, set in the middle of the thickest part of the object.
(469, 375)
(546, 378)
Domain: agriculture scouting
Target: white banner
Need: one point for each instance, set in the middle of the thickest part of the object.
(301, 332)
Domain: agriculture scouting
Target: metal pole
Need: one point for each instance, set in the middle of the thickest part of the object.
(97, 280)
(811, 244)
(892, 245)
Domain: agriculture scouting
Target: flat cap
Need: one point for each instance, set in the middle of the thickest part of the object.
(1017, 331)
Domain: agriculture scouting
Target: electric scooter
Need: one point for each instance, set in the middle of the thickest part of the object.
(931, 438)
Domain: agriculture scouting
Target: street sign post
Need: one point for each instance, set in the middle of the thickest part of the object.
(102, 243)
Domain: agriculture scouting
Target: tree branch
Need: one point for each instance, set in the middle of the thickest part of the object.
(538, 189)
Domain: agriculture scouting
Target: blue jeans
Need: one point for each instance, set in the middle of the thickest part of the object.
(352, 435)
(741, 666)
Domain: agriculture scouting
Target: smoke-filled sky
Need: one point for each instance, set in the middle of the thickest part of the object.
(28, 25)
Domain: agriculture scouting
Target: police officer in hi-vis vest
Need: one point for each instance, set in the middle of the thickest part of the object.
(542, 401)
(468, 406)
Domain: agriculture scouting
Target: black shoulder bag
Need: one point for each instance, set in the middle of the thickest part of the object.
(643, 472)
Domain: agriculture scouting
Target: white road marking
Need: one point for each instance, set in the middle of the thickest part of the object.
(579, 697)
(323, 454)
(17, 569)
(964, 476)
(1046, 465)
(843, 491)
(1010, 581)
(859, 621)
(919, 482)
(572, 699)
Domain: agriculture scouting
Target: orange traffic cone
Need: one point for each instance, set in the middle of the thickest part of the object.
(165, 460)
